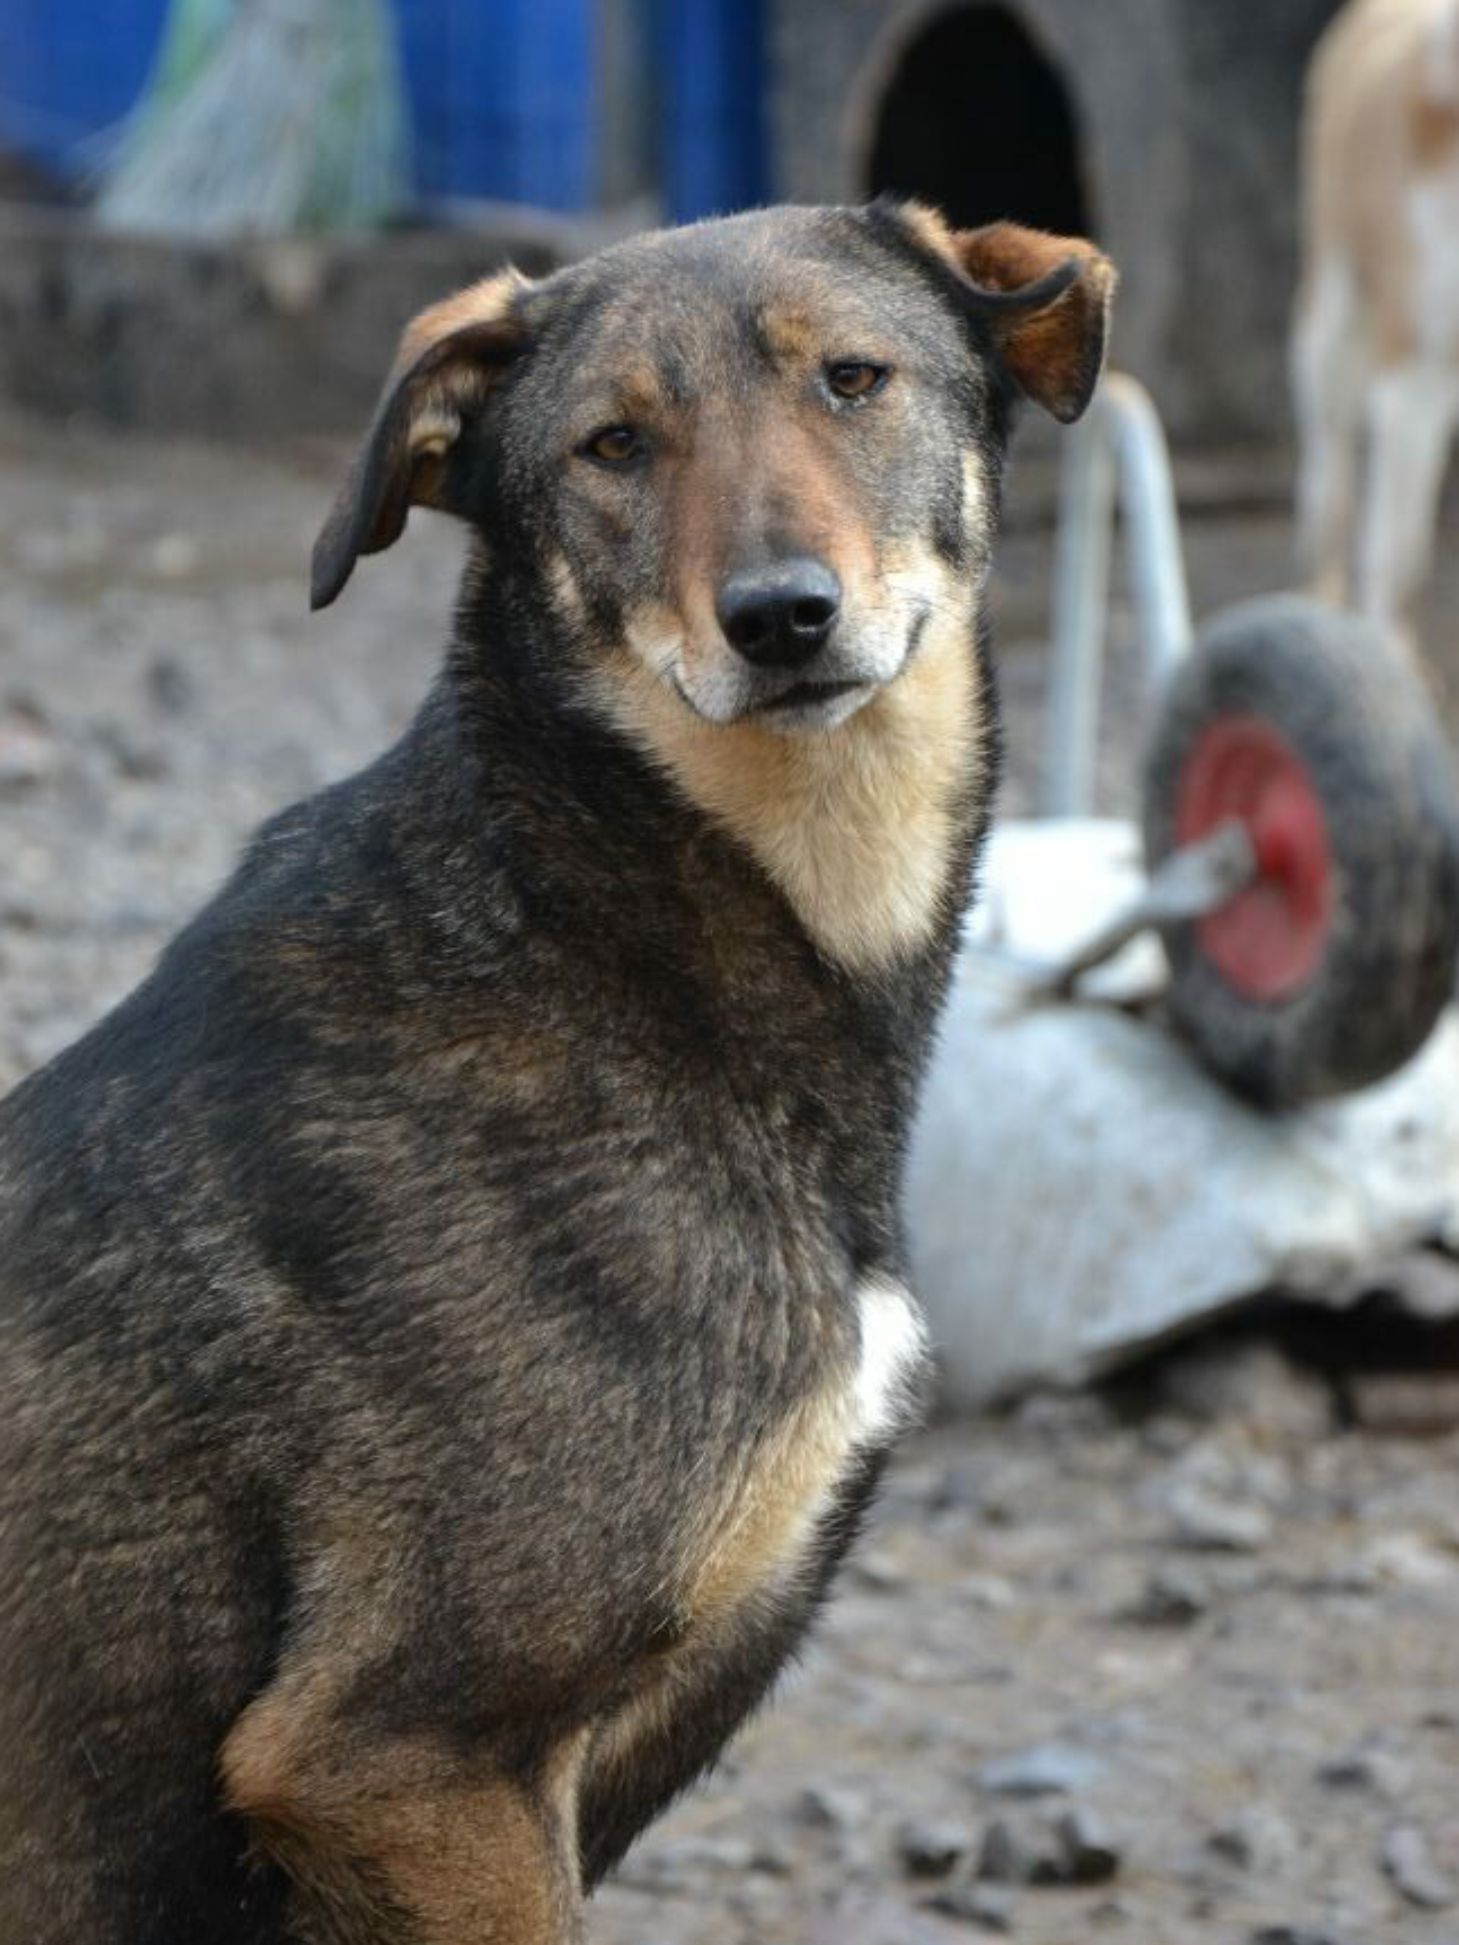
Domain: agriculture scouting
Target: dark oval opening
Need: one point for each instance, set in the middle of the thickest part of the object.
(976, 120)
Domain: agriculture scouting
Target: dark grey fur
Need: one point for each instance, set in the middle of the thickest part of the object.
(493, 1155)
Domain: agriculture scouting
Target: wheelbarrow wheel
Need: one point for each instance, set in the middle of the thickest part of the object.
(1330, 969)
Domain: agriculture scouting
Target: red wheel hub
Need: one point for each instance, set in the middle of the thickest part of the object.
(1267, 942)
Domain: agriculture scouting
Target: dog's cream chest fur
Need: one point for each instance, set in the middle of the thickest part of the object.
(758, 1532)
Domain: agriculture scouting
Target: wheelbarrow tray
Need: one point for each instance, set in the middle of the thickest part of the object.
(1080, 1189)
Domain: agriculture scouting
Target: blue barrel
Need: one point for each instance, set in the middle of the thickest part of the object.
(712, 61)
(69, 71)
(501, 98)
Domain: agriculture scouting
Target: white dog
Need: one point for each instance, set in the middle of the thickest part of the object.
(1376, 339)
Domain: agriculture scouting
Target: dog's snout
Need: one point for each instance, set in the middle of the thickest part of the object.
(778, 616)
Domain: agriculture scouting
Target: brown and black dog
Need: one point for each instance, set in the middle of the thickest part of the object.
(451, 1315)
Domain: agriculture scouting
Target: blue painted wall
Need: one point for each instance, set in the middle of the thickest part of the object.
(501, 92)
(69, 69)
(710, 56)
(501, 98)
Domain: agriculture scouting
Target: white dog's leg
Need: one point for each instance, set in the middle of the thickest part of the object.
(1411, 413)
(1328, 376)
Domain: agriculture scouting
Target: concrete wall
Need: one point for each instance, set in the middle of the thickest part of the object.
(1243, 62)
(252, 339)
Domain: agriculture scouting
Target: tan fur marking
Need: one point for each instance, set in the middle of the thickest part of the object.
(762, 1526)
(409, 1827)
(789, 332)
(975, 495)
(479, 303)
(855, 824)
(1435, 127)
(760, 1529)
(654, 633)
(639, 394)
(565, 590)
(930, 229)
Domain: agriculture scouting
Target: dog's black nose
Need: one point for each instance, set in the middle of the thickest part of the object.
(777, 616)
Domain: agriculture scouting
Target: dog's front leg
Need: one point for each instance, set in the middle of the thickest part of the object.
(398, 1839)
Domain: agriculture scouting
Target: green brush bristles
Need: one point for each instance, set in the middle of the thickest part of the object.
(265, 118)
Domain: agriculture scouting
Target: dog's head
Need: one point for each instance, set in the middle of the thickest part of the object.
(750, 461)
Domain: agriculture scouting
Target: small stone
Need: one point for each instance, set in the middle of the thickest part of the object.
(135, 756)
(1024, 1850)
(932, 1849)
(1255, 1840)
(1410, 1864)
(171, 685)
(1400, 1404)
(822, 1807)
(1213, 1525)
(1174, 1596)
(684, 1864)
(987, 1591)
(1110, 1912)
(1410, 1559)
(957, 1490)
(877, 1572)
(772, 1859)
(29, 756)
(1425, 1282)
(990, 1906)
(1165, 1435)
(1092, 1854)
(173, 556)
(1251, 1381)
(1348, 1574)
(1064, 1417)
(1046, 1769)
(858, 1918)
(1366, 1768)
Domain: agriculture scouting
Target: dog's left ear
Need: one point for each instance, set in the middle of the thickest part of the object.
(1044, 299)
(450, 358)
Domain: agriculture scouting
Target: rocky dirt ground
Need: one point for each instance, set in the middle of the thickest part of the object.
(1177, 1663)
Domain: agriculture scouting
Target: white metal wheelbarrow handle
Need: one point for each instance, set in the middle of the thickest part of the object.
(1119, 444)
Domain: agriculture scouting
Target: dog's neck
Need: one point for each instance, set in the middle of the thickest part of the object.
(861, 828)
(865, 830)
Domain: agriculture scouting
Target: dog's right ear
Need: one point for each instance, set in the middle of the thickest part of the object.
(450, 358)
(1044, 300)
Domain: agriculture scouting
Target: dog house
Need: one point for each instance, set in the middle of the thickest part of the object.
(1167, 128)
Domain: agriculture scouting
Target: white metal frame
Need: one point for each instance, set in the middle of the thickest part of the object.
(1118, 447)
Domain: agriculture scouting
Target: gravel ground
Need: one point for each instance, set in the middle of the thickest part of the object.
(1174, 1664)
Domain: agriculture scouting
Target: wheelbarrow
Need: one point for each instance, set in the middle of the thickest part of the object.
(1194, 1058)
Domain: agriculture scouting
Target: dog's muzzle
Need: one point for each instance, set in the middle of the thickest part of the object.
(790, 655)
(779, 616)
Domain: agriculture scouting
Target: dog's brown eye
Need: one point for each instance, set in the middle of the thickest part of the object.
(854, 380)
(614, 445)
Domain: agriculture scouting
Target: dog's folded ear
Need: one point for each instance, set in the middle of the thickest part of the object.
(1045, 301)
(450, 358)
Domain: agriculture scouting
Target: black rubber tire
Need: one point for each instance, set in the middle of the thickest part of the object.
(1363, 725)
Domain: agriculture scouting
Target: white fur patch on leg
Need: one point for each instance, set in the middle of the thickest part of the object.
(893, 1353)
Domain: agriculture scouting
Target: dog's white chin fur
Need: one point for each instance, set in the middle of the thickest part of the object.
(806, 718)
(726, 694)
(722, 707)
